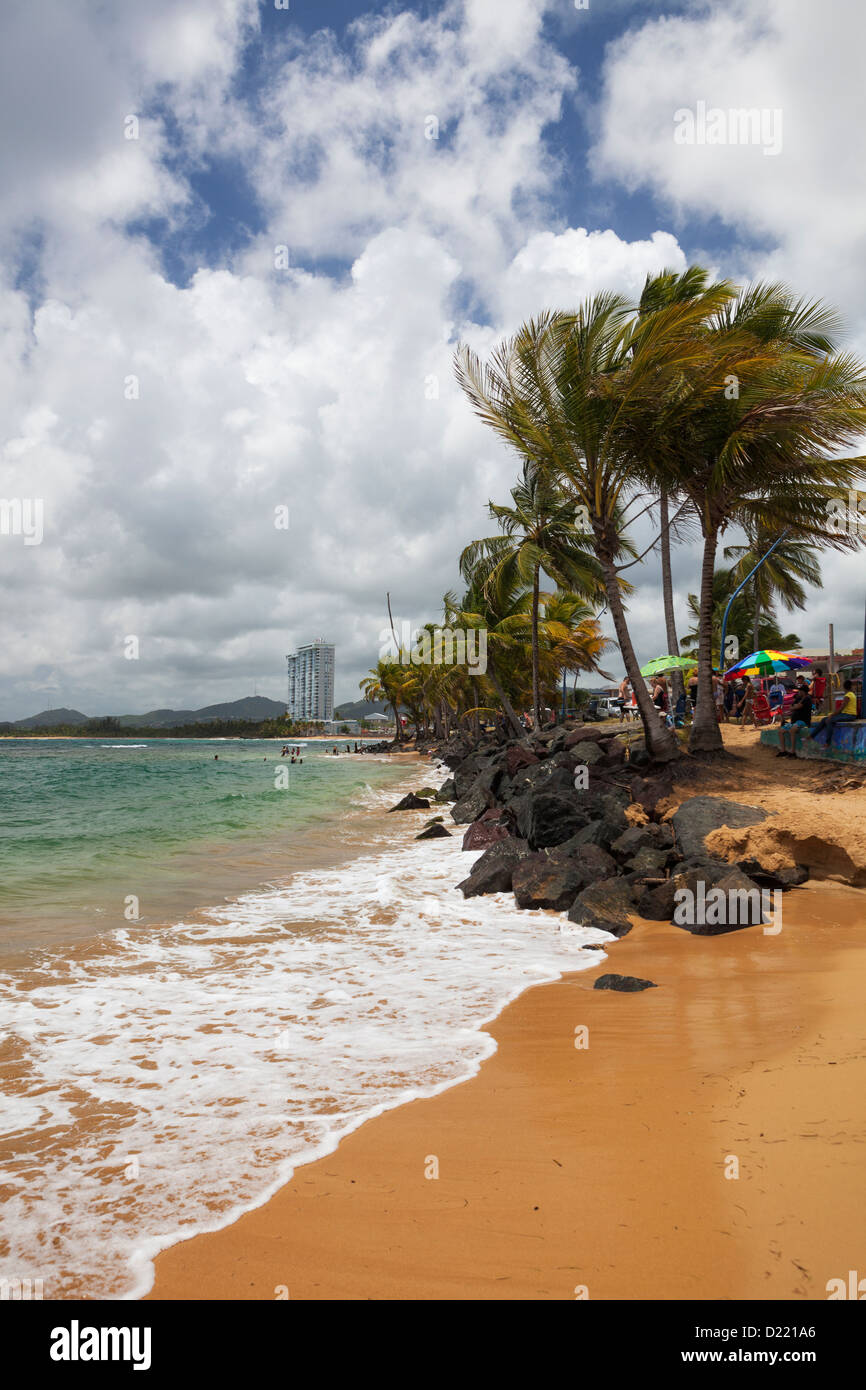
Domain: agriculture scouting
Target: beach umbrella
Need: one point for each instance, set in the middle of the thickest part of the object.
(763, 662)
(661, 664)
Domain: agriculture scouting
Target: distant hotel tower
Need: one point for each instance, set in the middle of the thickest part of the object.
(311, 681)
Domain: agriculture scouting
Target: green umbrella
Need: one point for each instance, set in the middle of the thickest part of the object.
(661, 664)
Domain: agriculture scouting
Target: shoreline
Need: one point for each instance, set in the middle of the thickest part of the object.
(603, 1167)
(676, 1070)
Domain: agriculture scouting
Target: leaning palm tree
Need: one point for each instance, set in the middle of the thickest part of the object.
(499, 603)
(544, 538)
(672, 287)
(752, 437)
(780, 575)
(572, 393)
(573, 639)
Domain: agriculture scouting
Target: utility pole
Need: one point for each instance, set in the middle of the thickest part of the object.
(831, 672)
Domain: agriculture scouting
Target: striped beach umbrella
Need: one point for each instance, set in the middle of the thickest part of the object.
(762, 663)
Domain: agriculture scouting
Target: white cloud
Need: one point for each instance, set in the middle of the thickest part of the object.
(793, 56)
(329, 392)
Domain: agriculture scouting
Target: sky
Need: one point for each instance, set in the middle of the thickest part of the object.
(239, 244)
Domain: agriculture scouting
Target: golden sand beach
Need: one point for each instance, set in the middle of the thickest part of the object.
(703, 1139)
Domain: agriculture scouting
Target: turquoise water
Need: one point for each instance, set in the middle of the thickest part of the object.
(175, 823)
(301, 962)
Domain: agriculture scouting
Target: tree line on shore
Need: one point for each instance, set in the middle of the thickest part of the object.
(705, 405)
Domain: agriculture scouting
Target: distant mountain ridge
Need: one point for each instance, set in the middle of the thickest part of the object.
(49, 718)
(254, 708)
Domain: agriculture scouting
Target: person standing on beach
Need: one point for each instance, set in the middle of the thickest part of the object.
(746, 699)
(819, 686)
(693, 689)
(624, 688)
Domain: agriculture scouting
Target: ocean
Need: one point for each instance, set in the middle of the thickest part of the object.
(213, 966)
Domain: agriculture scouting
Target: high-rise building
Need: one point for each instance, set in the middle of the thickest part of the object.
(311, 681)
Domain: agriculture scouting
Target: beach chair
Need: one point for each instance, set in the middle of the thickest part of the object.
(762, 710)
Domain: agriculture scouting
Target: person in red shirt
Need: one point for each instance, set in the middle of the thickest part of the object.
(819, 685)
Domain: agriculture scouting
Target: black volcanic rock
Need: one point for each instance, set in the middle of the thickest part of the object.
(412, 803)
(624, 984)
(548, 818)
(470, 807)
(493, 872)
(489, 828)
(790, 876)
(696, 818)
(542, 882)
(604, 905)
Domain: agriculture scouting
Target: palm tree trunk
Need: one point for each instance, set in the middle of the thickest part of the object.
(706, 736)
(477, 717)
(661, 741)
(757, 620)
(677, 682)
(507, 708)
(536, 694)
(398, 730)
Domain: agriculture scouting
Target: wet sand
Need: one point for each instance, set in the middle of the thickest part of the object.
(604, 1171)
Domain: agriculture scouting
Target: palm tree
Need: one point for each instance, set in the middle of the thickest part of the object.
(391, 682)
(751, 438)
(573, 641)
(543, 536)
(574, 393)
(741, 620)
(779, 576)
(671, 287)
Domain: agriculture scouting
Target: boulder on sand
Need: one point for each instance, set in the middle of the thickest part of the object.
(604, 905)
(786, 876)
(434, 832)
(493, 872)
(489, 828)
(548, 818)
(446, 792)
(412, 803)
(591, 862)
(470, 808)
(696, 818)
(539, 881)
(473, 770)
(624, 984)
(742, 905)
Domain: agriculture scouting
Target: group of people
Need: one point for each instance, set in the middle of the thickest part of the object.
(735, 701)
(807, 698)
(292, 752)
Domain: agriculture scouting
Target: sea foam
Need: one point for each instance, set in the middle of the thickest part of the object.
(171, 1078)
